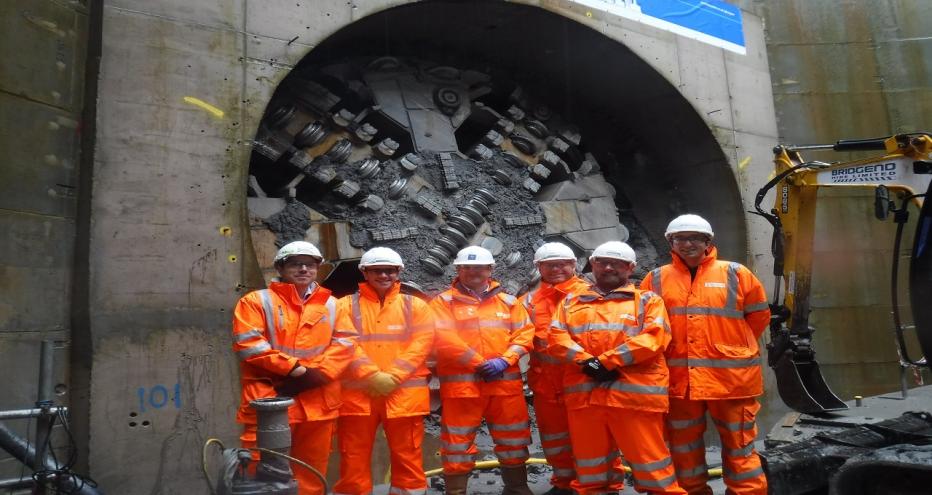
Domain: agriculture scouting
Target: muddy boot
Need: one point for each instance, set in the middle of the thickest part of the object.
(455, 484)
(515, 479)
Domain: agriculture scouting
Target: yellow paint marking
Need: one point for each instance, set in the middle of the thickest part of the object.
(216, 112)
(744, 163)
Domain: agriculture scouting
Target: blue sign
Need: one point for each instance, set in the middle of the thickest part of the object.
(710, 21)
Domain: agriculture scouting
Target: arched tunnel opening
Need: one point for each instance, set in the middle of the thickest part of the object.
(431, 126)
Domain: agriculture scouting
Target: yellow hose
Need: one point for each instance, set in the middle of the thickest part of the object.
(713, 473)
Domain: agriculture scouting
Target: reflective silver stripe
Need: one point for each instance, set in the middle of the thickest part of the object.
(552, 451)
(549, 437)
(638, 389)
(688, 447)
(557, 324)
(509, 427)
(509, 299)
(270, 329)
(409, 316)
(593, 478)
(732, 301)
(736, 426)
(756, 307)
(249, 335)
(493, 324)
(383, 337)
(343, 342)
(661, 483)
(512, 442)
(580, 387)
(701, 470)
(404, 365)
(652, 466)
(529, 301)
(564, 472)
(742, 452)
(625, 353)
(594, 461)
(517, 349)
(331, 305)
(608, 327)
(716, 363)
(357, 313)
(682, 424)
(468, 458)
(459, 430)
(455, 447)
(512, 454)
(362, 361)
(759, 471)
(655, 282)
(414, 382)
(405, 491)
(505, 377)
(445, 324)
(518, 325)
(259, 348)
(702, 310)
(645, 298)
(303, 353)
(446, 297)
(463, 378)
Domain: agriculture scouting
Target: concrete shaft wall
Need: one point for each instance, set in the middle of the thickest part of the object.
(182, 87)
(42, 56)
(848, 70)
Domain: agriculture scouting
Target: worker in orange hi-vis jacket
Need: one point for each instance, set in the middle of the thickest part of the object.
(556, 264)
(718, 310)
(387, 382)
(287, 345)
(482, 332)
(616, 394)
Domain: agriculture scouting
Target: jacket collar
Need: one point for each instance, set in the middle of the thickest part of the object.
(711, 254)
(289, 293)
(592, 292)
(460, 291)
(366, 291)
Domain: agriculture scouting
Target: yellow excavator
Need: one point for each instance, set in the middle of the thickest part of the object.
(905, 170)
(850, 456)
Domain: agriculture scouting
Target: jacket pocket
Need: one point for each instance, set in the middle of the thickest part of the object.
(733, 351)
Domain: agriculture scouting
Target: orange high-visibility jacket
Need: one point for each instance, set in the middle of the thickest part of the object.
(545, 374)
(627, 330)
(395, 336)
(470, 331)
(716, 320)
(275, 330)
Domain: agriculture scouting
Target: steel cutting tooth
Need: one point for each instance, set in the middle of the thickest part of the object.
(340, 150)
(366, 132)
(311, 134)
(397, 188)
(537, 129)
(280, 117)
(458, 237)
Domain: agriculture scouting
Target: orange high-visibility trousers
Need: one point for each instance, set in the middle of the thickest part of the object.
(310, 442)
(596, 431)
(508, 422)
(355, 436)
(554, 431)
(735, 421)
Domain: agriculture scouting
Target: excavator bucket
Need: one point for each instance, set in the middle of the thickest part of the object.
(802, 387)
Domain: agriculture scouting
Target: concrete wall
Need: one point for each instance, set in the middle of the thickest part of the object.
(848, 70)
(182, 87)
(42, 55)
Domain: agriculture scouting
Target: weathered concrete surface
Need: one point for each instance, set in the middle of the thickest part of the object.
(848, 70)
(169, 247)
(42, 47)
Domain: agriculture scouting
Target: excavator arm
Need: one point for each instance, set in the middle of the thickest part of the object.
(904, 168)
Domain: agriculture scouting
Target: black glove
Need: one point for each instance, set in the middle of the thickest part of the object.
(593, 368)
(294, 385)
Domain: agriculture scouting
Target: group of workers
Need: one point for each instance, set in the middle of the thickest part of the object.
(621, 375)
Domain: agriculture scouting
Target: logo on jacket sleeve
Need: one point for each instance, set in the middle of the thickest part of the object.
(720, 285)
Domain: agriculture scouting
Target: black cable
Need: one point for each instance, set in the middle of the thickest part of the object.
(901, 216)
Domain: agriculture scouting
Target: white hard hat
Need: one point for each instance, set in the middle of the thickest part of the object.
(380, 256)
(554, 251)
(296, 248)
(689, 223)
(474, 255)
(615, 249)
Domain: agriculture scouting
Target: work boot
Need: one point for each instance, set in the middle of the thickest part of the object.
(455, 484)
(559, 491)
(515, 479)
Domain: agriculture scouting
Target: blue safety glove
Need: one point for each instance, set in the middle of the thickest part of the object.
(492, 368)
